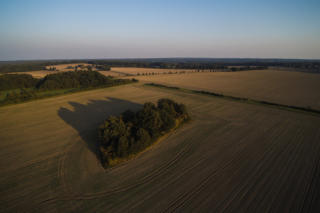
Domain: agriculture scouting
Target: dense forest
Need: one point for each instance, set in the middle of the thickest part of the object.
(170, 63)
(79, 79)
(15, 81)
(15, 88)
(132, 132)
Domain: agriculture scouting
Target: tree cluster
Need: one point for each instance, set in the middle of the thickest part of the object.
(79, 79)
(17, 96)
(132, 132)
(100, 65)
(51, 68)
(21, 87)
(246, 68)
(14, 81)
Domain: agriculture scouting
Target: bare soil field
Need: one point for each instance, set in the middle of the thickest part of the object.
(290, 88)
(232, 157)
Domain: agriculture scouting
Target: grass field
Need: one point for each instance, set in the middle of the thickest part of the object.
(291, 88)
(232, 157)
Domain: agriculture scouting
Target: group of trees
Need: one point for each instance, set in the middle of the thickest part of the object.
(245, 68)
(79, 79)
(163, 65)
(214, 64)
(132, 132)
(14, 81)
(64, 80)
(100, 65)
(50, 68)
(17, 96)
(22, 87)
(232, 69)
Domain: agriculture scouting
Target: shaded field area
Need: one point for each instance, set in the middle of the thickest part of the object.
(290, 88)
(232, 157)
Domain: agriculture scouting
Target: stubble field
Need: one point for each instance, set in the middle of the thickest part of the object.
(290, 88)
(231, 157)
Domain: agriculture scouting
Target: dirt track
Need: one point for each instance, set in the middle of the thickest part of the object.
(232, 157)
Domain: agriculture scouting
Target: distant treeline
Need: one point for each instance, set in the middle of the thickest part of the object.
(24, 66)
(212, 63)
(245, 68)
(130, 133)
(162, 65)
(18, 88)
(169, 63)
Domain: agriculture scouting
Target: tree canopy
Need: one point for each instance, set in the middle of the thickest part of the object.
(79, 79)
(22, 87)
(15, 81)
(132, 132)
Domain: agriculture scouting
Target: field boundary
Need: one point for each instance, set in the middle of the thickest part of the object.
(241, 99)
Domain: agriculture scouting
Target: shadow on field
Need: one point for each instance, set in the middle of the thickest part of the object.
(86, 118)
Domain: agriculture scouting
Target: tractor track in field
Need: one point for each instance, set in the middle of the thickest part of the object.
(184, 198)
(146, 179)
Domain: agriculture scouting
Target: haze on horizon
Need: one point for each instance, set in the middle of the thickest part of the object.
(168, 28)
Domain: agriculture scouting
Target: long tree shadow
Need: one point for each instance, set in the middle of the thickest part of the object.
(86, 118)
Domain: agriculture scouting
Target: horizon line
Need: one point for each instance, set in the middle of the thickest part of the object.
(148, 58)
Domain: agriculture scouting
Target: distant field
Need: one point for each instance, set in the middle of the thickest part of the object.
(38, 74)
(291, 88)
(65, 67)
(232, 157)
(135, 71)
(60, 68)
(115, 71)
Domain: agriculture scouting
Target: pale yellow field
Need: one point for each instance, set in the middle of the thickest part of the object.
(231, 157)
(38, 74)
(43, 73)
(64, 67)
(291, 88)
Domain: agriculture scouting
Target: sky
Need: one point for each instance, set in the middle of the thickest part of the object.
(76, 29)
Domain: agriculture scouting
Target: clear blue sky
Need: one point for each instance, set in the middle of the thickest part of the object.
(41, 29)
